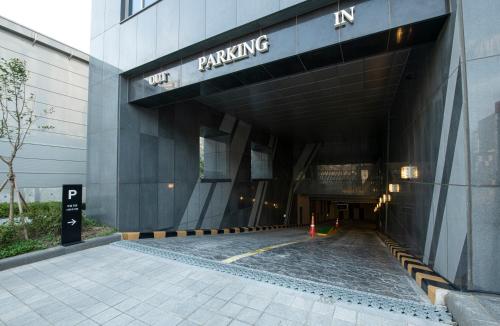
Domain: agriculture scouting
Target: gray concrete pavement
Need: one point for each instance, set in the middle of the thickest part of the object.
(114, 286)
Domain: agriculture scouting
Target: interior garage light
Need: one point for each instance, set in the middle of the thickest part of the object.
(171, 186)
(394, 188)
(409, 172)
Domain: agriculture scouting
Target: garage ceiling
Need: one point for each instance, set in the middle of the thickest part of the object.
(347, 101)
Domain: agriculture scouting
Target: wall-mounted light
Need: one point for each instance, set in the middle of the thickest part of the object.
(253, 200)
(409, 172)
(241, 198)
(171, 185)
(399, 35)
(394, 187)
(265, 203)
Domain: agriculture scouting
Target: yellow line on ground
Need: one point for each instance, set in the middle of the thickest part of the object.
(256, 252)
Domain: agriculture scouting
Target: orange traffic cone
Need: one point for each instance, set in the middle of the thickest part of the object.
(312, 229)
(337, 223)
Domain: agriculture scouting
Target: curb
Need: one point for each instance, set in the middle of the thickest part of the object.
(202, 232)
(468, 311)
(35, 256)
(433, 284)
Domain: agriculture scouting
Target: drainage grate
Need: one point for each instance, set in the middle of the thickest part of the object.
(329, 292)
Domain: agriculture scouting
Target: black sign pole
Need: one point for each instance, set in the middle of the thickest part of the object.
(71, 228)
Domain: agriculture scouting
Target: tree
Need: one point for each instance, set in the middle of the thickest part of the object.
(17, 119)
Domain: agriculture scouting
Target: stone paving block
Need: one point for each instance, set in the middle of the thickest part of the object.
(200, 299)
(231, 309)
(159, 317)
(137, 323)
(140, 310)
(127, 304)
(213, 289)
(287, 313)
(284, 298)
(322, 308)
(319, 320)
(302, 303)
(259, 303)
(394, 323)
(200, 316)
(158, 299)
(65, 317)
(238, 323)
(249, 315)
(199, 286)
(95, 309)
(218, 320)
(14, 313)
(340, 322)
(119, 320)
(366, 319)
(106, 315)
(268, 320)
(10, 303)
(226, 294)
(344, 314)
(215, 304)
(28, 318)
(188, 323)
(88, 322)
(184, 309)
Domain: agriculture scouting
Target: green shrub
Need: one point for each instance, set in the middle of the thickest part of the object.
(8, 234)
(20, 247)
(45, 219)
(4, 210)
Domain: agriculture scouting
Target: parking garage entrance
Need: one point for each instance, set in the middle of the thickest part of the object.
(273, 144)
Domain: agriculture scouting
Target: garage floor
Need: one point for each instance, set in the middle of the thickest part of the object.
(354, 258)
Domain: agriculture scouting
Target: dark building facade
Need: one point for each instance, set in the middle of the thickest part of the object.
(215, 113)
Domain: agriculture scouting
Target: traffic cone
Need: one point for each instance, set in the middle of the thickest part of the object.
(337, 223)
(312, 229)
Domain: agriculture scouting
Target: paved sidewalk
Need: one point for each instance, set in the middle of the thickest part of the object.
(114, 286)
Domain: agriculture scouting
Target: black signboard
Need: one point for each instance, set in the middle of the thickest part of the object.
(71, 231)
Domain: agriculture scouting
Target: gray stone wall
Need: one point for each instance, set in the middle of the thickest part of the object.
(482, 55)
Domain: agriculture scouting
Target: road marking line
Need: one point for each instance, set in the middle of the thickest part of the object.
(256, 252)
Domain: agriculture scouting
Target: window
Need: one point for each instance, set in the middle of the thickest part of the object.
(134, 6)
(261, 162)
(214, 154)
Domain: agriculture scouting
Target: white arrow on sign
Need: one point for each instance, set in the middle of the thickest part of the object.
(72, 222)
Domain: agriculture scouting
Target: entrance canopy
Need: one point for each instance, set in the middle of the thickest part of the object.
(300, 45)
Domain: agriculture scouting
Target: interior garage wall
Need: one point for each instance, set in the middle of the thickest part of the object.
(446, 122)
(161, 147)
(429, 214)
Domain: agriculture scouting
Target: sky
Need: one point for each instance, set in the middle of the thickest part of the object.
(67, 21)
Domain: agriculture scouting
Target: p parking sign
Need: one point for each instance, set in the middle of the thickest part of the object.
(71, 230)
